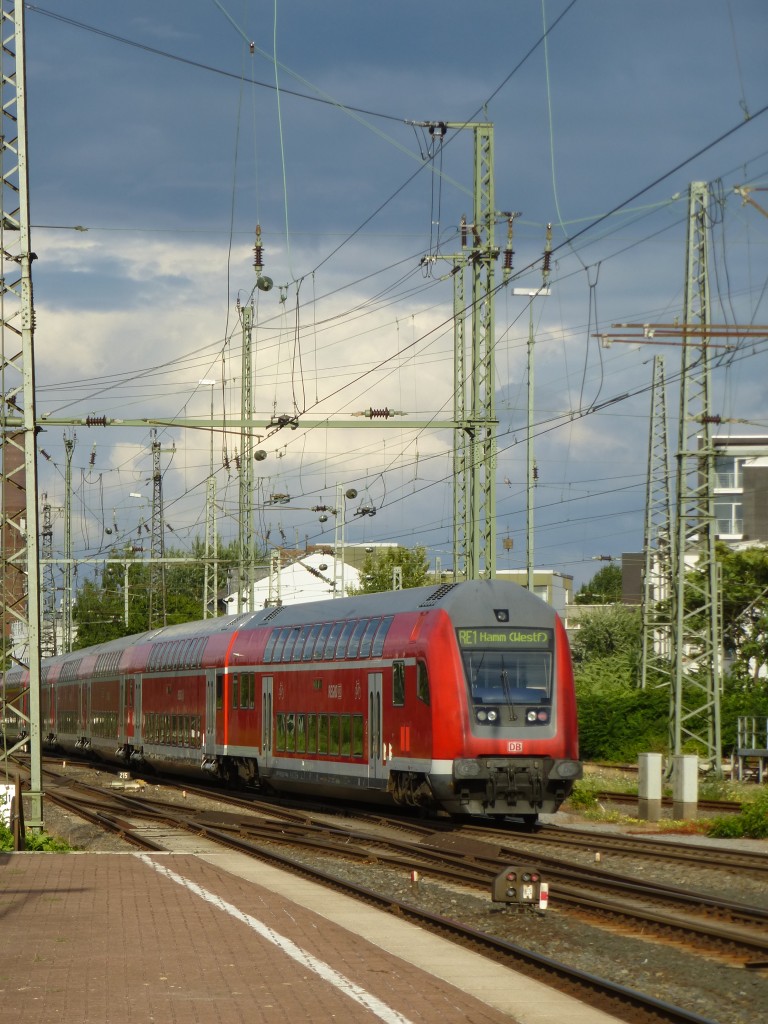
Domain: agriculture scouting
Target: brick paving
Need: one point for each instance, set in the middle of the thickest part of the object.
(101, 938)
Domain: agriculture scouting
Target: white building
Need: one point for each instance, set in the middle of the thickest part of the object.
(314, 576)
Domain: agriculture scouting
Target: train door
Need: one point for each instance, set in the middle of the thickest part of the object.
(138, 732)
(266, 721)
(128, 730)
(376, 757)
(209, 743)
(85, 708)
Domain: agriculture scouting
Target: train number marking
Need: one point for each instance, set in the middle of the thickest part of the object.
(334, 691)
(514, 747)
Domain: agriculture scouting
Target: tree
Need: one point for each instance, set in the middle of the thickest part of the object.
(604, 632)
(603, 588)
(376, 574)
(744, 597)
(99, 609)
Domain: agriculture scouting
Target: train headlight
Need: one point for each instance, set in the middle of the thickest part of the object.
(567, 769)
(530, 715)
(481, 715)
(492, 716)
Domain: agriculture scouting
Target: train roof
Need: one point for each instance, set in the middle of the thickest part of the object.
(470, 602)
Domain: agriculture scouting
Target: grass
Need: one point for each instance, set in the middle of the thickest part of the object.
(750, 823)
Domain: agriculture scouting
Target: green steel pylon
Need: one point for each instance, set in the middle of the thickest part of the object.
(695, 698)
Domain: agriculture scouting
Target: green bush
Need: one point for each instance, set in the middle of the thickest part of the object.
(35, 842)
(616, 723)
(750, 823)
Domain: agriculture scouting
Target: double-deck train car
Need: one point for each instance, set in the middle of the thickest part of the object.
(458, 696)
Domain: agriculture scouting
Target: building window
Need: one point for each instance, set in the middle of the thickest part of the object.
(729, 518)
(728, 472)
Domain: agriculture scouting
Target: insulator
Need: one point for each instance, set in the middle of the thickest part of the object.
(252, 48)
(45, 454)
(378, 414)
(547, 261)
(92, 459)
(258, 250)
(237, 462)
(463, 232)
(508, 254)
(95, 421)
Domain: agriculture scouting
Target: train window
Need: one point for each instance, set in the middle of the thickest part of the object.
(322, 639)
(166, 728)
(330, 647)
(508, 677)
(333, 739)
(322, 734)
(311, 734)
(346, 632)
(301, 643)
(357, 735)
(346, 734)
(219, 691)
(381, 634)
(280, 738)
(282, 636)
(309, 646)
(270, 646)
(290, 643)
(301, 735)
(354, 642)
(398, 683)
(247, 690)
(233, 682)
(366, 641)
(290, 732)
(422, 682)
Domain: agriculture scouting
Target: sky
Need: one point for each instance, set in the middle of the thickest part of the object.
(162, 133)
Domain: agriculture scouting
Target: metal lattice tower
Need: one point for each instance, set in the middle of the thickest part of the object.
(657, 545)
(157, 604)
(246, 531)
(211, 582)
(474, 403)
(460, 437)
(695, 704)
(19, 525)
(48, 645)
(66, 600)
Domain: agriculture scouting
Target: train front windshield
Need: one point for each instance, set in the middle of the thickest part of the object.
(507, 667)
(517, 677)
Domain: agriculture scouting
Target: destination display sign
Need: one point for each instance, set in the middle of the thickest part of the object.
(507, 637)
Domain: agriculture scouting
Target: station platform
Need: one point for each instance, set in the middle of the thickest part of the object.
(100, 938)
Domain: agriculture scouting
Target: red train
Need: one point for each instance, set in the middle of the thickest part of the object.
(458, 696)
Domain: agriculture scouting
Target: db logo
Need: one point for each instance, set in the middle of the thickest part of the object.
(514, 747)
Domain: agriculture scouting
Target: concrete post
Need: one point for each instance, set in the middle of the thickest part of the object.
(685, 786)
(649, 771)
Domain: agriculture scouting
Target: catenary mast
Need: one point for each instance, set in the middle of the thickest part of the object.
(19, 513)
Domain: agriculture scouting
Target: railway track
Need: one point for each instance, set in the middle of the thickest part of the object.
(450, 856)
